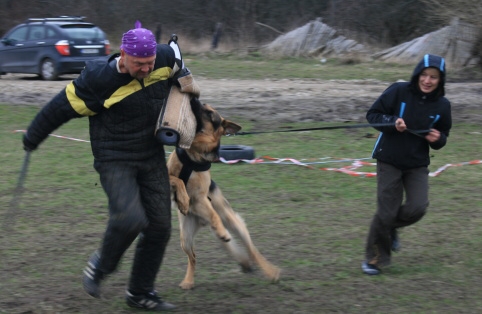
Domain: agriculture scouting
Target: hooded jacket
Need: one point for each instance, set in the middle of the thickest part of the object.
(419, 110)
(122, 110)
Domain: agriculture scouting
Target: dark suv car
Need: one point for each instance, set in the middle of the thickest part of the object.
(51, 47)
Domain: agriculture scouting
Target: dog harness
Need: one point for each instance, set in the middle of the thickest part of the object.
(188, 166)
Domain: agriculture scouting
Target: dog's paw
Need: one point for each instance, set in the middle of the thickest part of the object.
(274, 274)
(246, 268)
(186, 285)
(179, 194)
(225, 237)
(222, 233)
(182, 202)
(183, 206)
(184, 212)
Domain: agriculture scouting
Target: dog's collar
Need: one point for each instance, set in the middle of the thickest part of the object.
(189, 166)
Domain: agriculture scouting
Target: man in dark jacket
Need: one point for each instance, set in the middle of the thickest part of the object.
(123, 95)
(421, 118)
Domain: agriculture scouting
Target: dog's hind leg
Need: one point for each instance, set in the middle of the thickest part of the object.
(189, 226)
(239, 254)
(236, 224)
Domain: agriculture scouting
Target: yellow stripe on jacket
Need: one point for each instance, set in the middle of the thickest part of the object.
(134, 86)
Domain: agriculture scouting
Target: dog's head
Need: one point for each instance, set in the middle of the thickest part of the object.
(211, 126)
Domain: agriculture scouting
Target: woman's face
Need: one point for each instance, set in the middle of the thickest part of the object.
(428, 80)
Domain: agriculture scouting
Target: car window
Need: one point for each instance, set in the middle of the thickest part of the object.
(36, 32)
(20, 34)
(84, 33)
(51, 33)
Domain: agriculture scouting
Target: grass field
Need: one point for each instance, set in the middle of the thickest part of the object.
(310, 222)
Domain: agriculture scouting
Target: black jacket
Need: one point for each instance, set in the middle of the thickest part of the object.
(420, 111)
(122, 111)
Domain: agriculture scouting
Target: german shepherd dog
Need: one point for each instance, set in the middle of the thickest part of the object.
(201, 202)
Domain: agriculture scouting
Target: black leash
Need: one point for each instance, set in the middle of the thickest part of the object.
(353, 126)
(420, 133)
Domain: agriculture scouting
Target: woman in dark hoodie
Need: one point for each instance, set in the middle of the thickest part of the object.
(421, 118)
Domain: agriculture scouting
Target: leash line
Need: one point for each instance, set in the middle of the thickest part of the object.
(353, 126)
(420, 133)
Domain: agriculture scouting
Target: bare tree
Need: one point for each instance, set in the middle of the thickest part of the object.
(445, 10)
(468, 11)
(386, 22)
(248, 22)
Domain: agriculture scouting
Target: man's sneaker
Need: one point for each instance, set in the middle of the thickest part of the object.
(92, 276)
(370, 269)
(149, 301)
(396, 246)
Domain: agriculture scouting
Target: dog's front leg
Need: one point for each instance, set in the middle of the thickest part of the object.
(237, 226)
(180, 194)
(205, 210)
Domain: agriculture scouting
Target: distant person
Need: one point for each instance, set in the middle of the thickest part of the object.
(218, 30)
(158, 33)
(421, 118)
(123, 95)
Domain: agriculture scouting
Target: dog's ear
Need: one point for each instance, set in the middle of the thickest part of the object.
(230, 127)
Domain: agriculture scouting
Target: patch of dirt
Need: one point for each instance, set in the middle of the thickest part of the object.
(265, 101)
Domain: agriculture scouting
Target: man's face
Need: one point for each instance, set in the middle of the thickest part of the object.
(138, 68)
(428, 80)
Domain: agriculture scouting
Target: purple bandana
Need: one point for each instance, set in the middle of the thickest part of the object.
(139, 42)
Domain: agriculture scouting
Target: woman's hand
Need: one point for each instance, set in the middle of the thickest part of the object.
(400, 125)
(433, 135)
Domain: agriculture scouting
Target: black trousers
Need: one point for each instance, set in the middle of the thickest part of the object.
(392, 184)
(139, 206)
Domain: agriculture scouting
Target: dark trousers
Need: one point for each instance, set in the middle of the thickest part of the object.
(139, 205)
(391, 213)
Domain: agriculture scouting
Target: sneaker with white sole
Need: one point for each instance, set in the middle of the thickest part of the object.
(149, 301)
(370, 269)
(93, 276)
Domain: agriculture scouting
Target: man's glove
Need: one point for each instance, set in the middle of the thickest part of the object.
(27, 145)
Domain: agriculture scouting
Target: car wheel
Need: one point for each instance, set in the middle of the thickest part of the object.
(47, 70)
(234, 152)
